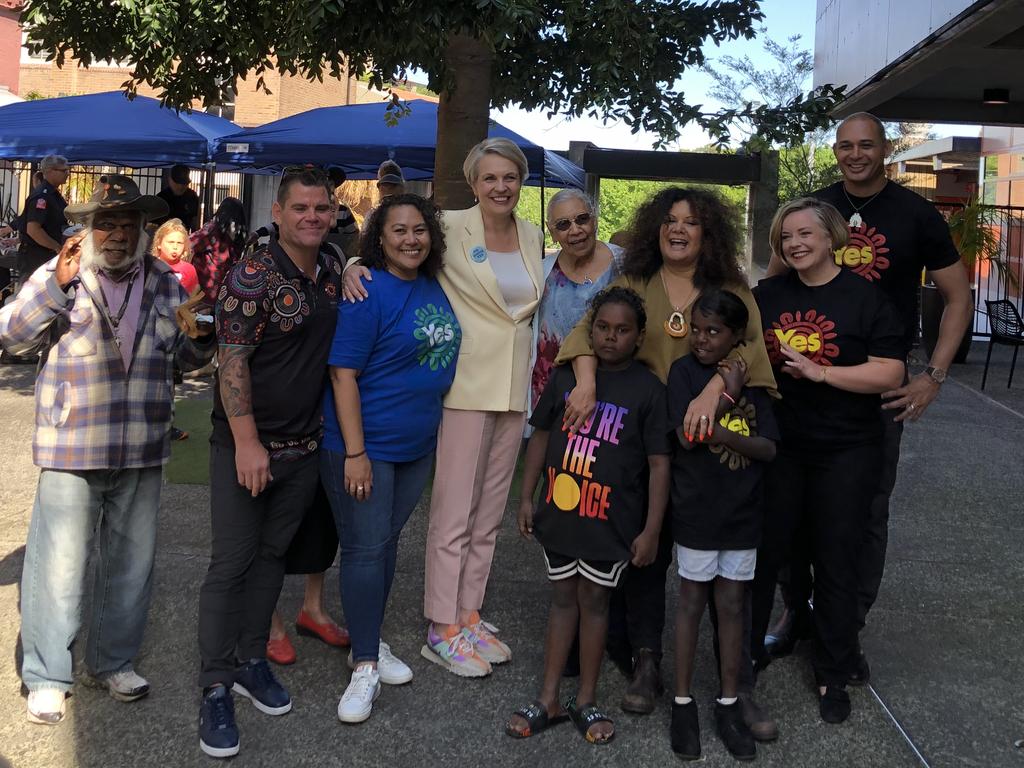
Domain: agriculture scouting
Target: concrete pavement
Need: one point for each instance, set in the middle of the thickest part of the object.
(944, 640)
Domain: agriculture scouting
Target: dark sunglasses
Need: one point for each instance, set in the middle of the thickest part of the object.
(582, 220)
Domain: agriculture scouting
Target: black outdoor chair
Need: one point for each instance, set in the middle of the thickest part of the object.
(1007, 328)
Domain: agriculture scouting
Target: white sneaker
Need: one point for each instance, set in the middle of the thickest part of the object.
(126, 685)
(357, 702)
(391, 669)
(46, 706)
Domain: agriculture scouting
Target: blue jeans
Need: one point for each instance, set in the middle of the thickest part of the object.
(71, 508)
(369, 531)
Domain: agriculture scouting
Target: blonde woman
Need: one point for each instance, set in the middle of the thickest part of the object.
(493, 278)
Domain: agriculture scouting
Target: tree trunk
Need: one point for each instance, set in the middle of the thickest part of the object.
(461, 117)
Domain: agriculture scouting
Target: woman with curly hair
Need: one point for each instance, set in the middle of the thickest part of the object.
(682, 242)
(391, 363)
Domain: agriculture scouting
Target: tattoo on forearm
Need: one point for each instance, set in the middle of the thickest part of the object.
(235, 383)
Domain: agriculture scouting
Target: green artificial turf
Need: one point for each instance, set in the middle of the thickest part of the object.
(190, 459)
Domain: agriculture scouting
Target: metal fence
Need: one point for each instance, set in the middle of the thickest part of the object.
(16, 182)
(988, 281)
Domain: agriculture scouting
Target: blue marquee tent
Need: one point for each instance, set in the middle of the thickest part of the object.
(358, 138)
(108, 129)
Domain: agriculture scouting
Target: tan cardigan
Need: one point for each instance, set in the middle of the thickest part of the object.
(659, 350)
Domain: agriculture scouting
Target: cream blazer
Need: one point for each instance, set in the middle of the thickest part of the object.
(493, 372)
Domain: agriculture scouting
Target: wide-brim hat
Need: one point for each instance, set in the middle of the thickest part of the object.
(118, 193)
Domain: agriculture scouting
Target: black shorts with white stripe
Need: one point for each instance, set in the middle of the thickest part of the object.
(603, 572)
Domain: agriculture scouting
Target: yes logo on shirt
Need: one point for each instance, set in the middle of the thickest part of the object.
(438, 333)
(573, 489)
(742, 419)
(808, 333)
(865, 253)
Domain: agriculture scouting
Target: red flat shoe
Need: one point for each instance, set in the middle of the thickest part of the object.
(328, 632)
(281, 651)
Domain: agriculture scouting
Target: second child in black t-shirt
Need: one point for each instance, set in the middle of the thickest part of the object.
(601, 505)
(716, 513)
(836, 343)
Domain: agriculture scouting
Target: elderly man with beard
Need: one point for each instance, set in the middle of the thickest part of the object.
(105, 316)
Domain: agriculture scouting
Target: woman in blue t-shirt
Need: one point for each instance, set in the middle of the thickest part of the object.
(392, 361)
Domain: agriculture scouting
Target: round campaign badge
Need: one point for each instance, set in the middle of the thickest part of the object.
(478, 254)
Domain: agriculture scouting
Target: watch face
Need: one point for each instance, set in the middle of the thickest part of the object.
(938, 375)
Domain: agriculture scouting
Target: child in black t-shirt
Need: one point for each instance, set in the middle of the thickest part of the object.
(716, 512)
(601, 505)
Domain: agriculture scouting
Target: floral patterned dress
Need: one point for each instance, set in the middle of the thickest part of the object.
(562, 304)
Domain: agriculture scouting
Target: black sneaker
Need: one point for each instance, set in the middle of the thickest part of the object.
(256, 682)
(834, 705)
(733, 732)
(861, 674)
(684, 733)
(218, 734)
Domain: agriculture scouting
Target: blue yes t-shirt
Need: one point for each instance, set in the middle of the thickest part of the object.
(404, 339)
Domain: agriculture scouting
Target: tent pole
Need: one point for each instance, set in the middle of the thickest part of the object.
(209, 177)
(542, 206)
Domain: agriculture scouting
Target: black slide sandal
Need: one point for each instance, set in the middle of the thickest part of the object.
(537, 720)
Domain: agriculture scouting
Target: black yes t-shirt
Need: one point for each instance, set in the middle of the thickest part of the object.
(901, 235)
(839, 323)
(594, 495)
(716, 492)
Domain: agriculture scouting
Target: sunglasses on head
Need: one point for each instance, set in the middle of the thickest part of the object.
(295, 170)
(583, 219)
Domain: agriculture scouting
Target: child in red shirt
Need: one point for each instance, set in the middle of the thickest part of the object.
(170, 245)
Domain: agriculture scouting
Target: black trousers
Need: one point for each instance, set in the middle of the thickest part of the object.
(797, 585)
(636, 616)
(818, 503)
(249, 539)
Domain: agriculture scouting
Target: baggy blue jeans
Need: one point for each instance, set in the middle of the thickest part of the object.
(368, 532)
(73, 510)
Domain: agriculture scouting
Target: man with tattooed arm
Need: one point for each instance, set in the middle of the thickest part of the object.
(275, 318)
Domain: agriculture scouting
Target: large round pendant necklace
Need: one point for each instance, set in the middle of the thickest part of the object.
(675, 325)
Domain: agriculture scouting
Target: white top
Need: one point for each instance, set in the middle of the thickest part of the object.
(513, 279)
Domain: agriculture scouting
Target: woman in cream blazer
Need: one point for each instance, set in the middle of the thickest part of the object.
(493, 278)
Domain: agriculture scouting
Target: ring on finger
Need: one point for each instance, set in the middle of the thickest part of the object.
(911, 407)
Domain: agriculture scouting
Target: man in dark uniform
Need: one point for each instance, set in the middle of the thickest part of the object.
(43, 218)
(182, 201)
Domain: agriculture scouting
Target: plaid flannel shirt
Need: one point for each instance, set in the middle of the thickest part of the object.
(90, 412)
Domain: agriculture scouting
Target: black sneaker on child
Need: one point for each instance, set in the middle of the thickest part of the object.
(834, 705)
(733, 732)
(684, 733)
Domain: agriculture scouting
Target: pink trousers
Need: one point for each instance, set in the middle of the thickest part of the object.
(476, 456)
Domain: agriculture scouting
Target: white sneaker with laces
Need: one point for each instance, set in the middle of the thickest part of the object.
(357, 702)
(126, 685)
(391, 669)
(46, 706)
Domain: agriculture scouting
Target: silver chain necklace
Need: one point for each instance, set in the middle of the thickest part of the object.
(856, 219)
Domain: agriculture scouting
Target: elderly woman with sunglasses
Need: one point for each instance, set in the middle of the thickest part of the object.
(583, 266)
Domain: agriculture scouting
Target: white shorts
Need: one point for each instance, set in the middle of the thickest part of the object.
(706, 564)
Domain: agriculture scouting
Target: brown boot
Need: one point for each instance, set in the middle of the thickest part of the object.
(761, 726)
(645, 687)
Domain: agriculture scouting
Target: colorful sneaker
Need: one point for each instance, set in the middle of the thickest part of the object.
(256, 682)
(488, 647)
(357, 702)
(218, 734)
(392, 670)
(456, 654)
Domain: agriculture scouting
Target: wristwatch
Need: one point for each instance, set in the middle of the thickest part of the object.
(938, 375)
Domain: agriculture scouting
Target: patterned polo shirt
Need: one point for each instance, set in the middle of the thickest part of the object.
(267, 303)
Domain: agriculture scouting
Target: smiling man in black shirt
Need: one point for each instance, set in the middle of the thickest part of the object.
(275, 318)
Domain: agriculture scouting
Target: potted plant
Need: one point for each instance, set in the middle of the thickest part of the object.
(975, 232)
